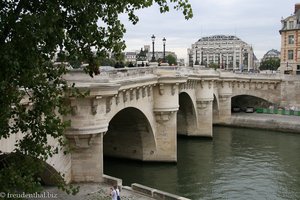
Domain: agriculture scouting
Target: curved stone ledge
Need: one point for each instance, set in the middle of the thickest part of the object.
(264, 121)
(86, 130)
(154, 193)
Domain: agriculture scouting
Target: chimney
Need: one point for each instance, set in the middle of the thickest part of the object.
(297, 7)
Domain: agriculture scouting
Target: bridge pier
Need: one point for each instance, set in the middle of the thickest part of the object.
(225, 108)
(205, 118)
(225, 93)
(204, 96)
(166, 136)
(87, 157)
(166, 105)
(85, 136)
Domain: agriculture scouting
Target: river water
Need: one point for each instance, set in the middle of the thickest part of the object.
(236, 164)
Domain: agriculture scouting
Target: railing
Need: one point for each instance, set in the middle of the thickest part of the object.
(122, 73)
(111, 74)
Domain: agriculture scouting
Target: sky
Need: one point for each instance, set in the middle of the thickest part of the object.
(256, 22)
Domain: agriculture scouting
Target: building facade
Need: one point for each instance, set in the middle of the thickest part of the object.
(290, 43)
(133, 56)
(271, 54)
(130, 57)
(226, 51)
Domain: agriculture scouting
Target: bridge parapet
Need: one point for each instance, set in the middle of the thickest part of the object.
(112, 75)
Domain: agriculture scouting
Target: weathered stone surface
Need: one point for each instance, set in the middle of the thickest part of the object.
(136, 113)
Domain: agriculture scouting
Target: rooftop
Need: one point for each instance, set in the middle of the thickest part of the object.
(219, 37)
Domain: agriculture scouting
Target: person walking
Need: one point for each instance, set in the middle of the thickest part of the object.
(113, 194)
(117, 192)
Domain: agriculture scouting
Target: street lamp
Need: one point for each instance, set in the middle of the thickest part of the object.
(164, 52)
(153, 39)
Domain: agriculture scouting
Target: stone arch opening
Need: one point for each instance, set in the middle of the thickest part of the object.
(48, 176)
(242, 102)
(186, 115)
(129, 136)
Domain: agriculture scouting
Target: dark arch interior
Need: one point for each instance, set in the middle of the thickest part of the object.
(186, 117)
(48, 176)
(244, 101)
(129, 136)
(215, 109)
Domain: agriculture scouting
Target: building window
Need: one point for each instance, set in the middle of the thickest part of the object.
(291, 39)
(291, 24)
(290, 54)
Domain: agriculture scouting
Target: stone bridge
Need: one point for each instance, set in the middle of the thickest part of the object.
(137, 113)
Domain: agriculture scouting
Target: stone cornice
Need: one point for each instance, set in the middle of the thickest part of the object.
(98, 89)
(172, 79)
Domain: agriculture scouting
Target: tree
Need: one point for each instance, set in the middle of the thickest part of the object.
(270, 64)
(31, 33)
(171, 60)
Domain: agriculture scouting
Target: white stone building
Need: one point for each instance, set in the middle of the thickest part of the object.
(130, 57)
(271, 54)
(227, 51)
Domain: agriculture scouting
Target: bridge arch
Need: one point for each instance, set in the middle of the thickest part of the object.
(186, 115)
(243, 101)
(47, 176)
(273, 97)
(130, 135)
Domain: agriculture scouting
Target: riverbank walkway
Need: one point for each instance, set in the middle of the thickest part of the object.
(93, 191)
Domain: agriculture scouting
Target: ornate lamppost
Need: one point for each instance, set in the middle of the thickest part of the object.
(153, 57)
(164, 49)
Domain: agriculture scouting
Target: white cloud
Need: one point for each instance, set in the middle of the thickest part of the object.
(254, 21)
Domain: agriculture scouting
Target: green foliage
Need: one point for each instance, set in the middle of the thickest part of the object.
(171, 60)
(32, 95)
(213, 65)
(270, 64)
(108, 62)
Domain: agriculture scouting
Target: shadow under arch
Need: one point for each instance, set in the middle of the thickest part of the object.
(215, 109)
(186, 115)
(129, 136)
(244, 101)
(46, 176)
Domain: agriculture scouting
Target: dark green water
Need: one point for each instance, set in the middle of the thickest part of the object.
(236, 164)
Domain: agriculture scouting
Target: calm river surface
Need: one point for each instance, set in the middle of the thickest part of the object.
(236, 164)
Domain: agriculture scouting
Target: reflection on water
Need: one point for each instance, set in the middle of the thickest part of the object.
(236, 164)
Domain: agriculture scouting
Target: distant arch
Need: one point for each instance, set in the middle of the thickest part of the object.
(47, 176)
(129, 135)
(244, 101)
(273, 97)
(186, 115)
